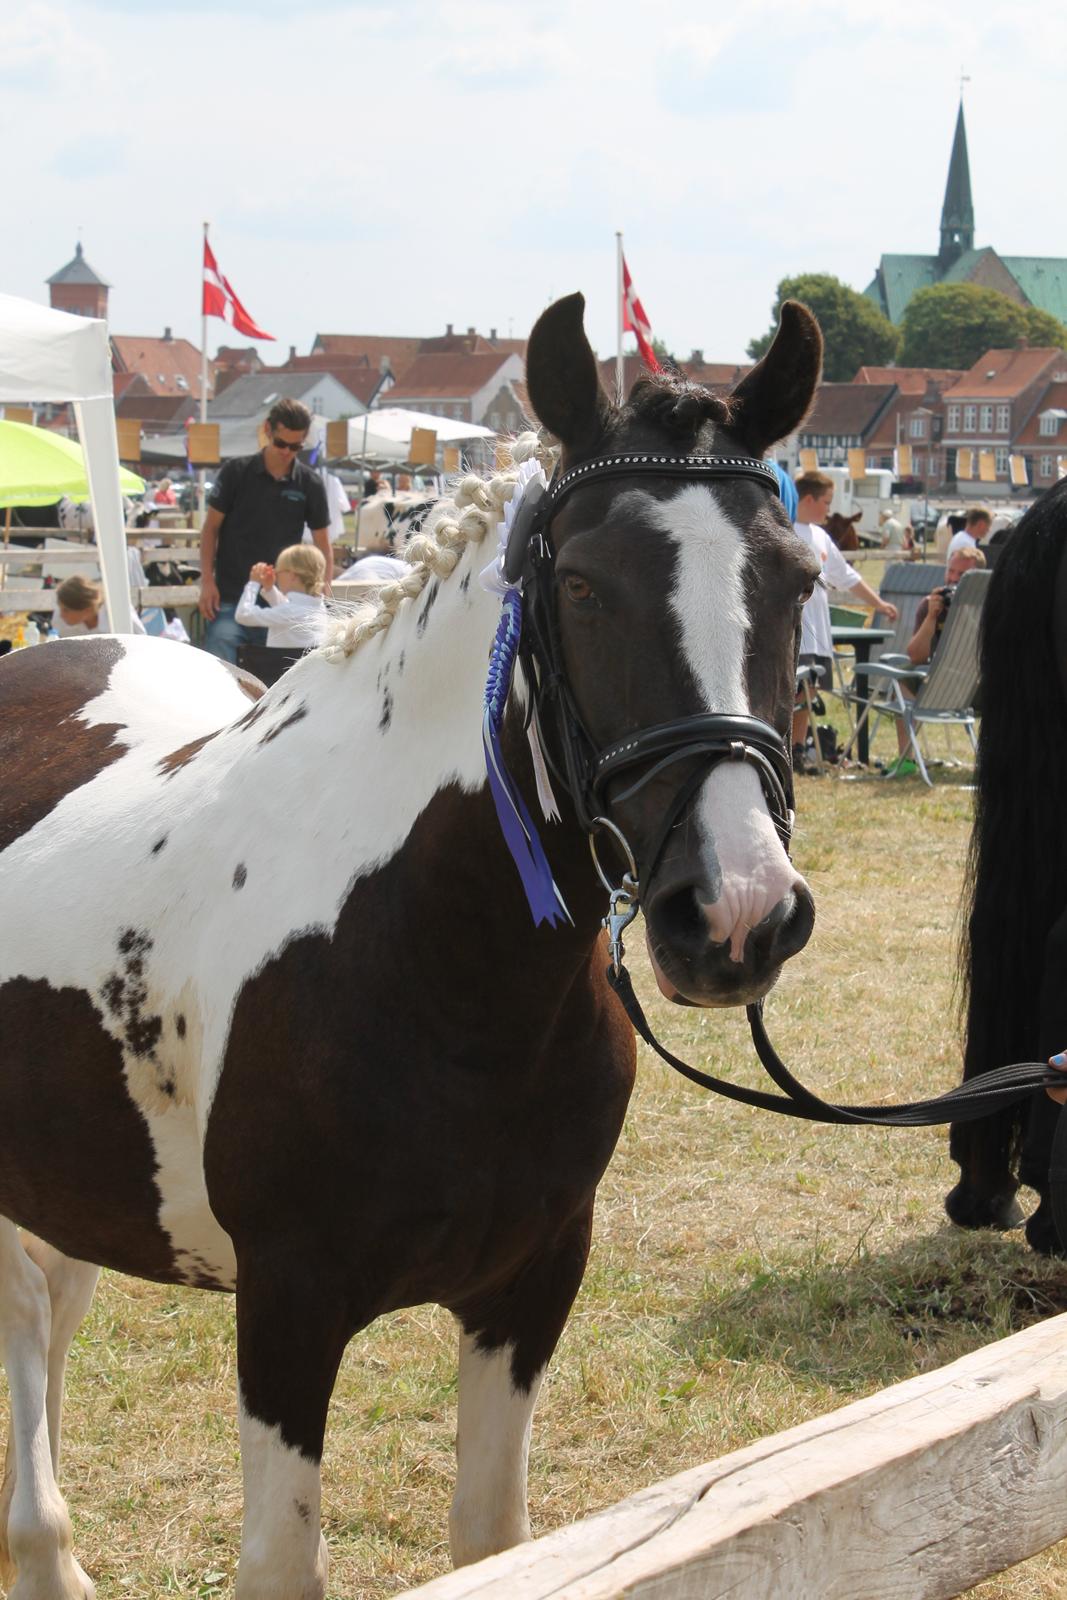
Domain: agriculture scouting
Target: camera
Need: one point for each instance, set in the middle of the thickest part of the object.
(946, 592)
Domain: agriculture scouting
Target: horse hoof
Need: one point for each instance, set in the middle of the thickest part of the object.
(977, 1208)
(1041, 1233)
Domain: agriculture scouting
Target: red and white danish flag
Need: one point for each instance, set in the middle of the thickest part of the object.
(634, 320)
(220, 300)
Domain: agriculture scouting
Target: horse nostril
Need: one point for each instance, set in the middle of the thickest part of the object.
(788, 927)
(680, 921)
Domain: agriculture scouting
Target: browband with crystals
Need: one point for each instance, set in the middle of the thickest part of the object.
(663, 467)
(540, 501)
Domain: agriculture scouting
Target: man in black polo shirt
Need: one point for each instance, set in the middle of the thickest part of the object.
(259, 505)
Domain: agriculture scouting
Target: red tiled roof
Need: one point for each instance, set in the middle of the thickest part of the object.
(161, 362)
(401, 352)
(123, 383)
(357, 376)
(158, 409)
(909, 380)
(1003, 374)
(447, 376)
(846, 408)
(1053, 399)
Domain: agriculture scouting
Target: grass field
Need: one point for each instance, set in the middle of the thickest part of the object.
(748, 1272)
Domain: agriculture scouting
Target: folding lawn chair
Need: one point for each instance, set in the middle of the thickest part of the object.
(945, 689)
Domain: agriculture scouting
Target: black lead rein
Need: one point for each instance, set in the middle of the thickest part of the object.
(979, 1096)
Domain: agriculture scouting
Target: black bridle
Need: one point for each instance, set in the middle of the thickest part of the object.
(585, 771)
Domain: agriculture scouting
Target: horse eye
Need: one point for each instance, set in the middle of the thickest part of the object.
(576, 589)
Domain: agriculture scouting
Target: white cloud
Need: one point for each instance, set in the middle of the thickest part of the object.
(395, 167)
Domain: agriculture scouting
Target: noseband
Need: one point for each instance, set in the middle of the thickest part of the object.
(708, 738)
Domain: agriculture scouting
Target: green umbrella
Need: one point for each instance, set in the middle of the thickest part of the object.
(37, 468)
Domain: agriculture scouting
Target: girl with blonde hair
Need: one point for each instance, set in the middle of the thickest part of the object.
(294, 610)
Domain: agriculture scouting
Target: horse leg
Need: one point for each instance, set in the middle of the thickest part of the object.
(505, 1347)
(38, 1542)
(1041, 1232)
(71, 1285)
(292, 1328)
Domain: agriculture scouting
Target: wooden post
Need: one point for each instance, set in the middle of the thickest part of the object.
(921, 1490)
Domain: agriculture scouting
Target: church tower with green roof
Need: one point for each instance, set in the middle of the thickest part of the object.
(957, 213)
(1029, 280)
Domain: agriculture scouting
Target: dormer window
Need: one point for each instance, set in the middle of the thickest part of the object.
(1049, 423)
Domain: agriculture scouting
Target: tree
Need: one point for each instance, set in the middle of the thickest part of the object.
(855, 333)
(1044, 330)
(953, 324)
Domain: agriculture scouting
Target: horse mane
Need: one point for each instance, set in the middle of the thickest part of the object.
(476, 504)
(474, 509)
(1016, 877)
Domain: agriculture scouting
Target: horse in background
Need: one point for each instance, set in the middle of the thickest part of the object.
(183, 1098)
(844, 531)
(1013, 962)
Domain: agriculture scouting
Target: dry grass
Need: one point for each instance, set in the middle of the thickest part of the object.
(748, 1272)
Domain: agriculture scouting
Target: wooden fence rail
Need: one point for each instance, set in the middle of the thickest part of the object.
(916, 1493)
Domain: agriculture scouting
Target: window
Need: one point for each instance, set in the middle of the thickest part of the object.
(1044, 467)
(1001, 457)
(917, 465)
(970, 418)
(1049, 425)
(1003, 419)
(985, 423)
(953, 419)
(917, 428)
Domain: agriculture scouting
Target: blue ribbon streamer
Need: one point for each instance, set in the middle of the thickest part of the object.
(520, 835)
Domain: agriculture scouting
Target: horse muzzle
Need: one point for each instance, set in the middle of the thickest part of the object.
(722, 951)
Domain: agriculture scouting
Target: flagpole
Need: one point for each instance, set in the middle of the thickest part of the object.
(619, 368)
(201, 476)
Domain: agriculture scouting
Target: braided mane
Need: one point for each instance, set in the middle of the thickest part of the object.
(474, 510)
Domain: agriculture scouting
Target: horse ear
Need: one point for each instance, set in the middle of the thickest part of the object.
(561, 376)
(775, 397)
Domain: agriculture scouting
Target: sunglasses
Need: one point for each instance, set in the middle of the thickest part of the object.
(287, 444)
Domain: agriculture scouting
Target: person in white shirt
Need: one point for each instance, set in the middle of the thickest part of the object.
(295, 610)
(80, 609)
(815, 491)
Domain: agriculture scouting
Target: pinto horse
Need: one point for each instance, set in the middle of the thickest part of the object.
(1014, 956)
(179, 1097)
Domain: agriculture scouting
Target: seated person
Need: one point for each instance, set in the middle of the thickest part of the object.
(930, 620)
(80, 609)
(295, 610)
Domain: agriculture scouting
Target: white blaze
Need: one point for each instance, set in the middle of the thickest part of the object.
(708, 600)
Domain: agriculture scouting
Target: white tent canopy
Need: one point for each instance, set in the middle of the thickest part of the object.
(48, 355)
(386, 434)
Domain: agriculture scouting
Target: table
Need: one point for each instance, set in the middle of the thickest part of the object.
(861, 640)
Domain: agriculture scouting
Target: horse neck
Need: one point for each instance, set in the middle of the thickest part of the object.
(388, 763)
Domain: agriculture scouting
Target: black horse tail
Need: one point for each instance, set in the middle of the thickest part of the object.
(1016, 879)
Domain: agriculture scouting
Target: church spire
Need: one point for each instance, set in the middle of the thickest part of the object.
(957, 213)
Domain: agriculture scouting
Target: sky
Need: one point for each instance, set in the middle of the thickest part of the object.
(391, 168)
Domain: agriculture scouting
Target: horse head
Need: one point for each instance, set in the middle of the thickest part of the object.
(675, 597)
(844, 531)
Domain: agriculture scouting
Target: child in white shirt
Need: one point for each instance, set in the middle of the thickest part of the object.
(296, 610)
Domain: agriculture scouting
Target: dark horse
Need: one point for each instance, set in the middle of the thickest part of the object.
(298, 1035)
(1014, 956)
